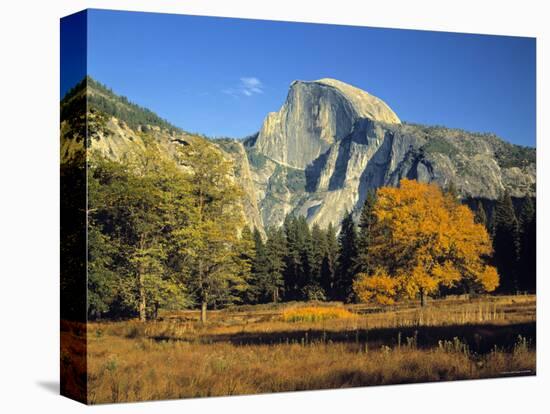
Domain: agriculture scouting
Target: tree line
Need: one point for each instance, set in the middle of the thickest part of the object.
(513, 229)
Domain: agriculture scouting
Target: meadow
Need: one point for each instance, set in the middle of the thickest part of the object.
(301, 346)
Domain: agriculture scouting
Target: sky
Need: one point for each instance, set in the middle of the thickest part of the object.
(220, 76)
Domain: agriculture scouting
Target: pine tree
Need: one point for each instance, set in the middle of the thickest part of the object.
(305, 247)
(244, 262)
(259, 270)
(506, 242)
(314, 288)
(275, 250)
(366, 221)
(527, 273)
(527, 213)
(292, 258)
(347, 257)
(330, 263)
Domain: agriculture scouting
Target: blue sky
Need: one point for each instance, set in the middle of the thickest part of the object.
(222, 76)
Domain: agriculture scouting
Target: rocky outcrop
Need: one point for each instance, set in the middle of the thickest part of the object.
(244, 176)
(330, 143)
(316, 115)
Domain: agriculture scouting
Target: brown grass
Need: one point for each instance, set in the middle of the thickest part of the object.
(243, 352)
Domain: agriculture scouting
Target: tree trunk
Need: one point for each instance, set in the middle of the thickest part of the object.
(275, 295)
(422, 298)
(204, 292)
(142, 304)
(203, 312)
(155, 312)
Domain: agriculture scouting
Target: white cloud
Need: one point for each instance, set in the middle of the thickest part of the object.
(251, 86)
(248, 86)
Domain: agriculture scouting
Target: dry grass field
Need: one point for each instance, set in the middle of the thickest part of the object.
(295, 346)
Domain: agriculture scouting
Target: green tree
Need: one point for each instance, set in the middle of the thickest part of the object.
(314, 289)
(366, 222)
(330, 263)
(292, 258)
(130, 202)
(102, 279)
(506, 242)
(259, 270)
(305, 248)
(298, 259)
(347, 257)
(527, 272)
(210, 245)
(275, 252)
(244, 262)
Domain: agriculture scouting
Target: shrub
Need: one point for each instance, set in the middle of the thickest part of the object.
(316, 314)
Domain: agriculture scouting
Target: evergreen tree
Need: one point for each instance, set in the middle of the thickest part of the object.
(527, 273)
(506, 242)
(305, 248)
(527, 213)
(274, 253)
(268, 266)
(347, 257)
(244, 262)
(292, 258)
(366, 221)
(258, 269)
(330, 263)
(314, 288)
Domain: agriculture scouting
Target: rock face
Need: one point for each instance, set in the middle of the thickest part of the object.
(331, 142)
(318, 156)
(316, 115)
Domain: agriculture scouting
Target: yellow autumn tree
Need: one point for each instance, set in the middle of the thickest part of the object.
(423, 239)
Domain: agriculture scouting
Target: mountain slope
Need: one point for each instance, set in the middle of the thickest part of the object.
(118, 129)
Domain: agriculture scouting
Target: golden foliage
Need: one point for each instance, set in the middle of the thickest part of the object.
(315, 314)
(489, 278)
(423, 239)
(379, 287)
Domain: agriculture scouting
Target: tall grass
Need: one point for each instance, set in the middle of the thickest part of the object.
(305, 347)
(130, 370)
(315, 314)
